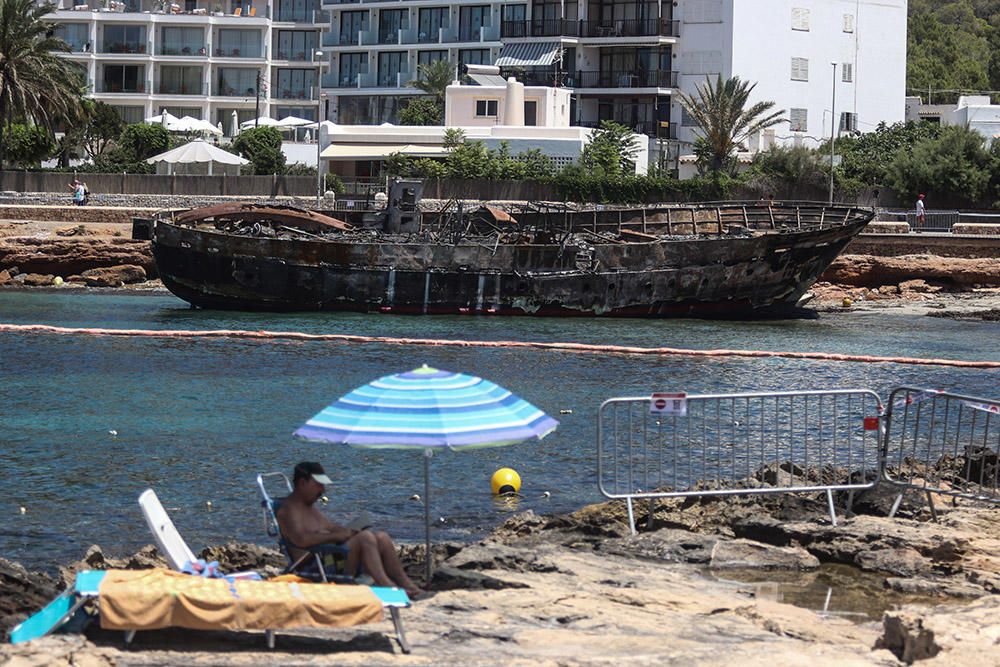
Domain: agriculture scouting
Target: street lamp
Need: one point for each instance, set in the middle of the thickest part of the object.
(833, 125)
(318, 55)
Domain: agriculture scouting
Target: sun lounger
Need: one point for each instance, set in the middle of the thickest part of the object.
(127, 597)
(311, 565)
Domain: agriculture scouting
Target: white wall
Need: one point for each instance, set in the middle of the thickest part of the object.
(756, 42)
(460, 105)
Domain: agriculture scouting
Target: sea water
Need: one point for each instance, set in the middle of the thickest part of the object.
(88, 422)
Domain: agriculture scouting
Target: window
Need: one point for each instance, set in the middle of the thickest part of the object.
(390, 22)
(471, 21)
(181, 81)
(800, 69)
(352, 23)
(474, 56)
(486, 108)
(124, 39)
(182, 41)
(800, 19)
(428, 57)
(687, 120)
(703, 11)
(235, 82)
(848, 22)
(430, 22)
(77, 35)
(295, 84)
(390, 65)
(351, 65)
(238, 43)
(848, 121)
(124, 79)
(530, 113)
(701, 62)
(130, 115)
(847, 72)
(296, 45)
(797, 120)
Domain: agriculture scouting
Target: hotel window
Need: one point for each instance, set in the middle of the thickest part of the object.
(296, 44)
(797, 120)
(124, 79)
(391, 64)
(800, 69)
(295, 84)
(430, 22)
(390, 22)
(235, 82)
(847, 72)
(474, 56)
(471, 21)
(124, 39)
(486, 108)
(130, 115)
(351, 24)
(351, 65)
(428, 57)
(848, 22)
(77, 35)
(238, 43)
(800, 19)
(175, 41)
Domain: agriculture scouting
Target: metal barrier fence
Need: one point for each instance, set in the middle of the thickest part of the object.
(937, 221)
(942, 443)
(674, 445)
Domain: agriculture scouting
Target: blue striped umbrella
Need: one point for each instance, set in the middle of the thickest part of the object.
(428, 409)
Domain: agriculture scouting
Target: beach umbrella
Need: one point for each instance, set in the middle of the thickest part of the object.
(430, 410)
(294, 121)
(198, 151)
(263, 121)
(234, 124)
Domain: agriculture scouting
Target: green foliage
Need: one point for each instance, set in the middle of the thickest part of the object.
(468, 160)
(262, 146)
(135, 144)
(952, 46)
(796, 169)
(300, 169)
(103, 126)
(433, 78)
(453, 137)
(953, 169)
(333, 183)
(27, 145)
(36, 83)
(866, 156)
(611, 151)
(422, 111)
(724, 121)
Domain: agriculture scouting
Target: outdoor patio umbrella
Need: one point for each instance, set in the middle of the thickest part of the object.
(197, 151)
(263, 121)
(428, 409)
(294, 121)
(234, 124)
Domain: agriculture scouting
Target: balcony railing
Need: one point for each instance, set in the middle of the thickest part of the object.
(297, 15)
(295, 55)
(541, 28)
(537, 76)
(137, 87)
(232, 52)
(174, 49)
(651, 128)
(624, 79)
(125, 47)
(225, 90)
(294, 93)
(595, 29)
(173, 88)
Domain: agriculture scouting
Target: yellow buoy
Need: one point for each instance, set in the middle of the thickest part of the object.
(847, 302)
(505, 480)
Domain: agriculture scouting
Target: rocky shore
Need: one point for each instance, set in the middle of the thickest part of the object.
(701, 584)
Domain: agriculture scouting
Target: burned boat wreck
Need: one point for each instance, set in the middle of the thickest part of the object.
(718, 260)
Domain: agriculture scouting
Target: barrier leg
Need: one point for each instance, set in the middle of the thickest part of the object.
(930, 504)
(829, 503)
(129, 636)
(269, 637)
(649, 515)
(631, 516)
(850, 503)
(895, 505)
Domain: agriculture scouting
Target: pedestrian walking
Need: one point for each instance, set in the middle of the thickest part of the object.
(78, 192)
(921, 214)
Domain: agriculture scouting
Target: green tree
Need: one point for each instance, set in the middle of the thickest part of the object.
(262, 146)
(433, 78)
(793, 169)
(103, 126)
(140, 141)
(422, 111)
(611, 152)
(866, 156)
(954, 169)
(725, 120)
(27, 145)
(36, 83)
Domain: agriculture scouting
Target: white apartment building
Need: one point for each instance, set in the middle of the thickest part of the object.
(622, 60)
(200, 58)
(972, 111)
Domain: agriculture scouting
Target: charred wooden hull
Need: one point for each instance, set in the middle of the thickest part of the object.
(724, 276)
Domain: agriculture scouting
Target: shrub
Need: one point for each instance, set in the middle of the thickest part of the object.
(262, 146)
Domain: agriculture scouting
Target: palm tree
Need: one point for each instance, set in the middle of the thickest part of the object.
(36, 84)
(433, 78)
(724, 120)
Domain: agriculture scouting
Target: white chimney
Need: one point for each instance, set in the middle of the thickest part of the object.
(513, 108)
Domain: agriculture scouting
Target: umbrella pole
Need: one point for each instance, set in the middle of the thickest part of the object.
(427, 516)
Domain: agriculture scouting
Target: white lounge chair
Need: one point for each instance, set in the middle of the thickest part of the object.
(168, 540)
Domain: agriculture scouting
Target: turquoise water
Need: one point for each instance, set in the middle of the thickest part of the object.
(196, 419)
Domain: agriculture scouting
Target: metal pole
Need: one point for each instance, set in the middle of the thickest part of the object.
(833, 125)
(317, 56)
(256, 115)
(427, 516)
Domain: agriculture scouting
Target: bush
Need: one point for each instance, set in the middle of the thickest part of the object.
(262, 146)
(27, 145)
(333, 183)
(422, 111)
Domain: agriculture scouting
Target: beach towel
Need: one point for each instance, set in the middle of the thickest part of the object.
(153, 599)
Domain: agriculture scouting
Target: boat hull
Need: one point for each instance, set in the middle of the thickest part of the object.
(709, 277)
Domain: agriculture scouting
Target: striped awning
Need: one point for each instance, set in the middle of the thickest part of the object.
(528, 54)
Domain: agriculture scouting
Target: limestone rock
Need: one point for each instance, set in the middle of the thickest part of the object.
(38, 280)
(5, 277)
(905, 635)
(22, 593)
(240, 557)
(71, 256)
(729, 554)
(870, 270)
(114, 276)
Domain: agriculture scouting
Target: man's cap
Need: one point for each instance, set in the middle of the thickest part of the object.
(921, 195)
(311, 469)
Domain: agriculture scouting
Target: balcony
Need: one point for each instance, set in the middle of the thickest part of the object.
(538, 76)
(174, 88)
(185, 50)
(624, 79)
(297, 15)
(337, 38)
(225, 90)
(296, 56)
(485, 33)
(651, 128)
(123, 87)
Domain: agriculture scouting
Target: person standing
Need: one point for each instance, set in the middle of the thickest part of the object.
(78, 192)
(921, 214)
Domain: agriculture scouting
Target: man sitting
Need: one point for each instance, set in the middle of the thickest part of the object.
(303, 525)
